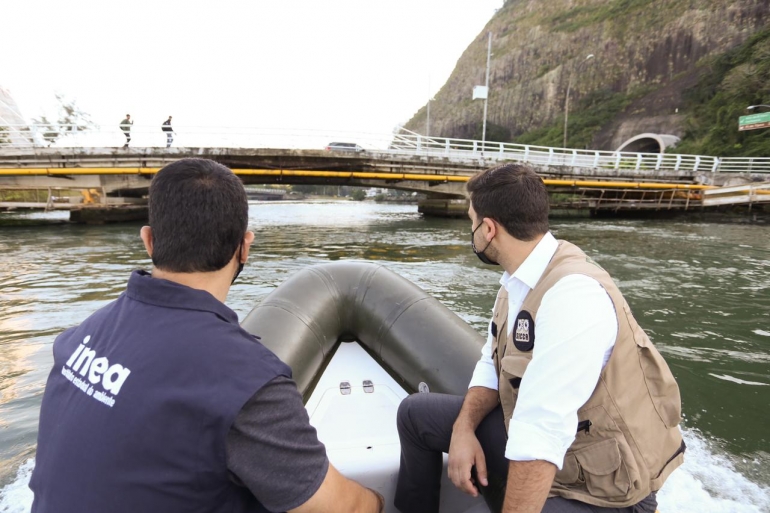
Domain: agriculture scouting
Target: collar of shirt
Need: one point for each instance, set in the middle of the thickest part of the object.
(530, 271)
(155, 291)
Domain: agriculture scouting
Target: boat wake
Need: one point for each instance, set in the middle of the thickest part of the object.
(708, 481)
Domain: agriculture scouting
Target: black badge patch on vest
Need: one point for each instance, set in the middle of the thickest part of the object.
(493, 329)
(524, 332)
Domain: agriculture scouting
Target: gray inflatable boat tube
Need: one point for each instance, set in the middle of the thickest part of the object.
(409, 333)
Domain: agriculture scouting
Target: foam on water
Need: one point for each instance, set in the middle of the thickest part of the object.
(707, 482)
(17, 497)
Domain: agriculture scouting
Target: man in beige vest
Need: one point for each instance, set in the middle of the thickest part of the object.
(570, 408)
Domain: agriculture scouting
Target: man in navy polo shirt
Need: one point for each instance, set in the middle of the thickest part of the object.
(160, 402)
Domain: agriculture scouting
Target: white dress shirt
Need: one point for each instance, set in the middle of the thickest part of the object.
(575, 331)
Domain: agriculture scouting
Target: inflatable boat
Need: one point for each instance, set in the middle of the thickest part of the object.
(359, 339)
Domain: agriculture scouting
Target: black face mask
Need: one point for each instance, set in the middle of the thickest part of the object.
(484, 258)
(240, 264)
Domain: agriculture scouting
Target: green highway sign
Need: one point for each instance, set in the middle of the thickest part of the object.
(754, 121)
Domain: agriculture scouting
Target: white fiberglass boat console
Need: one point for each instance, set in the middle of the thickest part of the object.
(359, 339)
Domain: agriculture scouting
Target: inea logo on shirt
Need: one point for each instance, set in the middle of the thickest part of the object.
(85, 363)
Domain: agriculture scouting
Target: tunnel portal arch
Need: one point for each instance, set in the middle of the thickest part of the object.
(649, 143)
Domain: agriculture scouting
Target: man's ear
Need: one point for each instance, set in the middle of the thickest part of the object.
(248, 238)
(491, 228)
(146, 234)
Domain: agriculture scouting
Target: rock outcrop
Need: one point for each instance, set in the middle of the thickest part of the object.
(650, 50)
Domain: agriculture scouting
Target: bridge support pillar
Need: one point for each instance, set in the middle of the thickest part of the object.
(443, 207)
(110, 214)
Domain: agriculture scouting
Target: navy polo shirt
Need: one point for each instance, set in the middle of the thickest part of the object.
(139, 403)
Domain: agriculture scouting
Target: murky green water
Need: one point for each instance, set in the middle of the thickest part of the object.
(702, 292)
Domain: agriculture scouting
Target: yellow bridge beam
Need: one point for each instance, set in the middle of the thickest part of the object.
(343, 174)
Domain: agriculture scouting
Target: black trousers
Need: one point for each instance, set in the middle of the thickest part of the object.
(425, 430)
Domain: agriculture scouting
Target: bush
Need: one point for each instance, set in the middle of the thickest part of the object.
(737, 79)
(358, 195)
(586, 118)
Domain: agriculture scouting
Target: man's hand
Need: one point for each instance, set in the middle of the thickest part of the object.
(464, 449)
(465, 452)
(340, 495)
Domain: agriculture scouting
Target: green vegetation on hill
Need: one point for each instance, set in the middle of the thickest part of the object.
(738, 78)
(585, 119)
(588, 15)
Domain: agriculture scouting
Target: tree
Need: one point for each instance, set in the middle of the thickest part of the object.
(71, 119)
(358, 195)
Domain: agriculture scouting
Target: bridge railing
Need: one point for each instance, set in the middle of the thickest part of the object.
(569, 157)
(403, 142)
(151, 136)
(744, 165)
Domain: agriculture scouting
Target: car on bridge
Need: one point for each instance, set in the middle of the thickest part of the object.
(344, 146)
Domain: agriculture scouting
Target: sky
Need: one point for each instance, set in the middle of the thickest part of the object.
(353, 65)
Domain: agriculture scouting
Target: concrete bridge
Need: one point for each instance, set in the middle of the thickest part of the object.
(437, 167)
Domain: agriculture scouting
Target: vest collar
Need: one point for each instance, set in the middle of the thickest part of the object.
(155, 291)
(533, 267)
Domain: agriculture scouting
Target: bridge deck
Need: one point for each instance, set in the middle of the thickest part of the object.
(436, 167)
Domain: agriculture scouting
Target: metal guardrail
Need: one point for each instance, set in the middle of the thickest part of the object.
(737, 194)
(403, 142)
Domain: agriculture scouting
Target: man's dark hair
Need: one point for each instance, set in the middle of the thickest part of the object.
(514, 196)
(198, 214)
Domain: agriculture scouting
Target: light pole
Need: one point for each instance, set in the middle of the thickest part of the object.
(486, 86)
(566, 100)
(752, 107)
(427, 123)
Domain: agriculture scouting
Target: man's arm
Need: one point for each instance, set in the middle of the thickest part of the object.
(575, 330)
(481, 398)
(340, 494)
(528, 485)
(274, 451)
(464, 449)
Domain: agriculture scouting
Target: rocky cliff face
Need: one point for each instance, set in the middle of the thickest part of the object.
(648, 50)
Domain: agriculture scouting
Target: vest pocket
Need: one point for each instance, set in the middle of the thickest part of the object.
(513, 366)
(661, 384)
(570, 471)
(601, 466)
(512, 369)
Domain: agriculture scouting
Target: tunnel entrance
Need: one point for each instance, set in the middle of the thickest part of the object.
(649, 143)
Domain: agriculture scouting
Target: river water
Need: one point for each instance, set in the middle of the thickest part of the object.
(701, 290)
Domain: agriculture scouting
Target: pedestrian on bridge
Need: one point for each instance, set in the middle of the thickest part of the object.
(125, 125)
(166, 127)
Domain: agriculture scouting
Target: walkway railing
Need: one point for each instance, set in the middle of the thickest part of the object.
(403, 142)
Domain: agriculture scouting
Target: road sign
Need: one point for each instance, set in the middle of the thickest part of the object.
(754, 121)
(480, 92)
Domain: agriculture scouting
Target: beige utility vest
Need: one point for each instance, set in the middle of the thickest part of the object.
(627, 441)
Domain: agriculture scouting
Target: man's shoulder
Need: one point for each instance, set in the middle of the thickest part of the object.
(208, 336)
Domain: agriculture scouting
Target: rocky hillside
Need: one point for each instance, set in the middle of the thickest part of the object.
(647, 53)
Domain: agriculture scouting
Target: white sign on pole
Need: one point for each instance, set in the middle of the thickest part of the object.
(480, 92)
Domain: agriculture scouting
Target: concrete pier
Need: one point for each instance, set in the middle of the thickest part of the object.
(443, 207)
